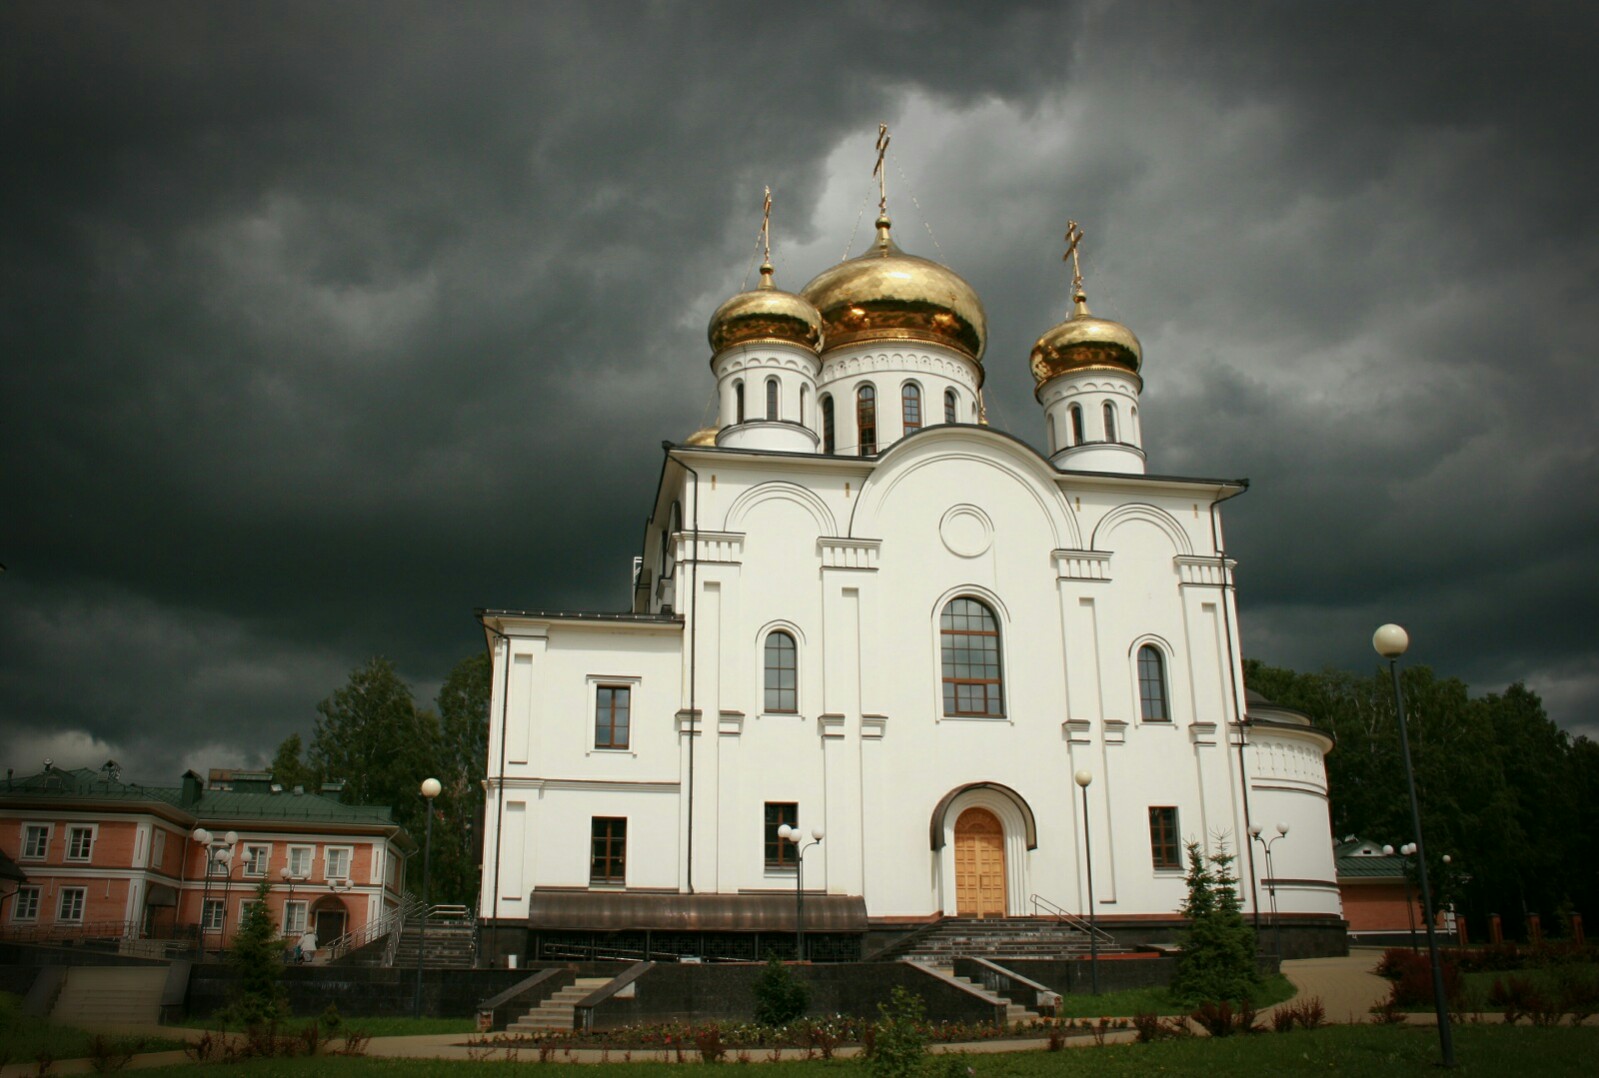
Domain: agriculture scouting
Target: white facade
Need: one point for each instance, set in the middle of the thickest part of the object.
(1083, 561)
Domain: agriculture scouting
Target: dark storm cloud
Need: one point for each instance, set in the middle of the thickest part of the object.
(326, 323)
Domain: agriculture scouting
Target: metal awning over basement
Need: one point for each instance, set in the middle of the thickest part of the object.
(623, 911)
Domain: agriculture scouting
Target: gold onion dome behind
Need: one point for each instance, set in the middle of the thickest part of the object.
(703, 436)
(886, 294)
(765, 313)
(1084, 342)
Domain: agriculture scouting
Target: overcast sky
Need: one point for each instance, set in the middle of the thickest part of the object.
(322, 325)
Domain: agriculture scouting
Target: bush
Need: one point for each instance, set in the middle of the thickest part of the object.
(1218, 959)
(1412, 976)
(780, 997)
(899, 1042)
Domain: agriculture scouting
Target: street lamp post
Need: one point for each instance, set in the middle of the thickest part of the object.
(430, 790)
(216, 852)
(1271, 877)
(1391, 641)
(1407, 850)
(786, 833)
(1083, 778)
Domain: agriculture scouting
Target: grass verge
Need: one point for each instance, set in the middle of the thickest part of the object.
(26, 1040)
(389, 1026)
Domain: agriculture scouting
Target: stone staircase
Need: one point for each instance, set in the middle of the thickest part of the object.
(557, 1011)
(111, 995)
(1014, 1012)
(450, 945)
(996, 938)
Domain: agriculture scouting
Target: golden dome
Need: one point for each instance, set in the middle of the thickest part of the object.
(886, 294)
(765, 313)
(1084, 342)
(703, 436)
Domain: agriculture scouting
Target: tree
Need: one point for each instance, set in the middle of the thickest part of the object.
(257, 955)
(1218, 959)
(463, 704)
(288, 769)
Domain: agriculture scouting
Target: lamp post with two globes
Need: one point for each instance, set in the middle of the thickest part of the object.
(430, 790)
(787, 833)
(1391, 641)
(1271, 878)
(218, 852)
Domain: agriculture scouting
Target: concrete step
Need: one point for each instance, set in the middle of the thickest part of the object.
(111, 994)
(557, 1011)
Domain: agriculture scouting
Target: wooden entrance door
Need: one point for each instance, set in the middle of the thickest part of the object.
(979, 864)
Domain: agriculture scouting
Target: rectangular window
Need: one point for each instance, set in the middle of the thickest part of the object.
(337, 863)
(608, 850)
(255, 860)
(300, 861)
(780, 851)
(1163, 848)
(71, 907)
(293, 918)
(80, 843)
(26, 907)
(211, 918)
(244, 907)
(158, 848)
(611, 707)
(35, 841)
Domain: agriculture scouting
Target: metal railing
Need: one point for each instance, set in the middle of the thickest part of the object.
(391, 922)
(70, 930)
(1042, 905)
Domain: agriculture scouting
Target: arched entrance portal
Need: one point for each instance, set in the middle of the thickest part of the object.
(979, 864)
(330, 919)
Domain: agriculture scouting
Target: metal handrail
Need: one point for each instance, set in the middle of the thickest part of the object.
(1060, 913)
(71, 930)
(392, 921)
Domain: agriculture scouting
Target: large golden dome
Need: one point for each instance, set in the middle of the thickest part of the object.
(1084, 342)
(886, 294)
(765, 313)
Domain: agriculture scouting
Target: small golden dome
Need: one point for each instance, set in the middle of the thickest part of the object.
(1084, 342)
(765, 313)
(703, 436)
(886, 294)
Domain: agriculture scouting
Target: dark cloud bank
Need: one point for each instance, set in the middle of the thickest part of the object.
(324, 324)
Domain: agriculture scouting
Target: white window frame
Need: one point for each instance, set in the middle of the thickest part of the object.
(33, 892)
(244, 908)
(304, 873)
(327, 862)
(63, 896)
(596, 682)
(158, 847)
(798, 637)
(72, 833)
(296, 915)
(1168, 673)
(212, 913)
(44, 854)
(266, 865)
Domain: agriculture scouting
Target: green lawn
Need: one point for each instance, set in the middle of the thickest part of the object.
(24, 1039)
(1156, 1001)
(1488, 1050)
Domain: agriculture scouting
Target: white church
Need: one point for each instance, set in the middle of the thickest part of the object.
(862, 613)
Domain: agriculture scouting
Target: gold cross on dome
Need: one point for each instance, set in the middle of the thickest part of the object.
(1074, 236)
(766, 226)
(879, 171)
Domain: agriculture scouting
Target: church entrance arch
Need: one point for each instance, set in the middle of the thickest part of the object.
(979, 864)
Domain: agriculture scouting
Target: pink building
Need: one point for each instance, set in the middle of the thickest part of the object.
(106, 859)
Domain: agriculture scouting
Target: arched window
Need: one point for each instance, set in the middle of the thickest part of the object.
(911, 401)
(866, 419)
(805, 400)
(1077, 424)
(1110, 422)
(969, 639)
(1152, 685)
(1054, 440)
(738, 402)
(828, 441)
(771, 399)
(782, 683)
(949, 407)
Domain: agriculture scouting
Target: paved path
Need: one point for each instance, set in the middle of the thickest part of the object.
(1346, 986)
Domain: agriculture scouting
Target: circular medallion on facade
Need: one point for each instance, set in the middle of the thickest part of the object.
(966, 531)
